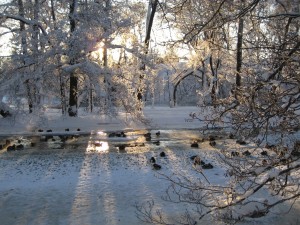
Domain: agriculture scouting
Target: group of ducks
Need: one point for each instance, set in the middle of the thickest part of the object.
(196, 159)
(14, 147)
(162, 154)
(153, 161)
(211, 139)
(18, 147)
(48, 131)
(121, 134)
(148, 136)
(197, 162)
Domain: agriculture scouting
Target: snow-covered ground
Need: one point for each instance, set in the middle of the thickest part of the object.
(160, 117)
(74, 185)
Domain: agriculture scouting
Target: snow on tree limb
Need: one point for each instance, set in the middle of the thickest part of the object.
(26, 21)
(88, 67)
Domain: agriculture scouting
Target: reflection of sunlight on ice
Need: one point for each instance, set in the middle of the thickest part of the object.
(110, 207)
(101, 133)
(84, 200)
(97, 146)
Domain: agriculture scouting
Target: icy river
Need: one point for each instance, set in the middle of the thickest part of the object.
(99, 178)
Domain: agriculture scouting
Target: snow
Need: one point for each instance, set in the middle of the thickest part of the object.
(76, 185)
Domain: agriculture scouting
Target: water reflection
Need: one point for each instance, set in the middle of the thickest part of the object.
(101, 133)
(97, 146)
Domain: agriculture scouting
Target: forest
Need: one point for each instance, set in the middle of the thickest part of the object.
(238, 61)
(100, 53)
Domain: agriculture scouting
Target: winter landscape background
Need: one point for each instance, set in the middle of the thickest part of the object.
(154, 111)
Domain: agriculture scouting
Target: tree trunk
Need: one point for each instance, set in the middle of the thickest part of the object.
(22, 29)
(91, 100)
(214, 72)
(35, 35)
(53, 14)
(239, 55)
(62, 94)
(107, 81)
(150, 18)
(61, 78)
(73, 97)
(24, 52)
(36, 52)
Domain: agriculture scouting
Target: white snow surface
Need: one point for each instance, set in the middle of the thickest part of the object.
(49, 186)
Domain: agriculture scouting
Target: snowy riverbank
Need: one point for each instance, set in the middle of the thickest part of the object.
(160, 118)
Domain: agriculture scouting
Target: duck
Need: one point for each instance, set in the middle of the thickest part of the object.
(234, 153)
(11, 148)
(246, 153)
(19, 147)
(156, 166)
(112, 135)
(231, 136)
(241, 142)
(162, 154)
(152, 160)
(147, 135)
(211, 138)
(195, 145)
(212, 143)
(207, 166)
(265, 153)
(122, 147)
(271, 147)
(264, 162)
(156, 142)
(197, 160)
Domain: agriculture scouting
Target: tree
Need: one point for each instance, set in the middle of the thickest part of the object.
(265, 112)
(53, 52)
(239, 52)
(150, 17)
(73, 98)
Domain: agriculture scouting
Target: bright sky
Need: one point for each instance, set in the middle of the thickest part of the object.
(159, 35)
(5, 44)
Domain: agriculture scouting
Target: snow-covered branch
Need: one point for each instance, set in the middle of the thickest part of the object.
(26, 21)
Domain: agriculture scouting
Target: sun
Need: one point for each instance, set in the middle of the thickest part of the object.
(112, 54)
(98, 51)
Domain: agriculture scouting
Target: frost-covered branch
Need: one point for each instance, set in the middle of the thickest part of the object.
(26, 21)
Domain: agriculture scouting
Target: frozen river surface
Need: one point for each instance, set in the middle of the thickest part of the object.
(90, 180)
